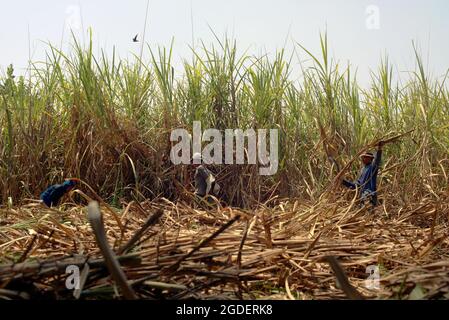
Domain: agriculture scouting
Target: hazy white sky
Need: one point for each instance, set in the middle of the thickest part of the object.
(260, 25)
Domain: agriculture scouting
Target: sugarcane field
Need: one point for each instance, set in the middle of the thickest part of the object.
(205, 170)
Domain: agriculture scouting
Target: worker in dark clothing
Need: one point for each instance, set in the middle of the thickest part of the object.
(367, 181)
(205, 184)
(53, 194)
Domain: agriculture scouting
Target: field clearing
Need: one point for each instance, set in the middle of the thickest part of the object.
(269, 253)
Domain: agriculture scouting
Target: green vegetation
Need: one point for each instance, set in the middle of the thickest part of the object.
(107, 121)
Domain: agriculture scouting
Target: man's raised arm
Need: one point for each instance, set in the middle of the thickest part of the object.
(378, 157)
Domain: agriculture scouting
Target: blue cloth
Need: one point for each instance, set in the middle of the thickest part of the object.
(53, 194)
(367, 181)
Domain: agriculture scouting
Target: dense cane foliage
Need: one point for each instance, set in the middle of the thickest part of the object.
(108, 122)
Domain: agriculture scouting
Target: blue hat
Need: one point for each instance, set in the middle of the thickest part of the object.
(69, 183)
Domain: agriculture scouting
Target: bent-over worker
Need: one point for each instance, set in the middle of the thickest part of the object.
(205, 184)
(53, 194)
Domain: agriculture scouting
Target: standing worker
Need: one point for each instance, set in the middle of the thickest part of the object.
(53, 194)
(367, 181)
(205, 184)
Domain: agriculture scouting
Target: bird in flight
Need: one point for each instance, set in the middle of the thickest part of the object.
(135, 38)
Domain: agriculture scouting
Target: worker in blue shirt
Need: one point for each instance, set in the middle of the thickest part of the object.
(367, 181)
(53, 194)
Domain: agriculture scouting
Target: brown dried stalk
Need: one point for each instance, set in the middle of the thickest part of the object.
(96, 221)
